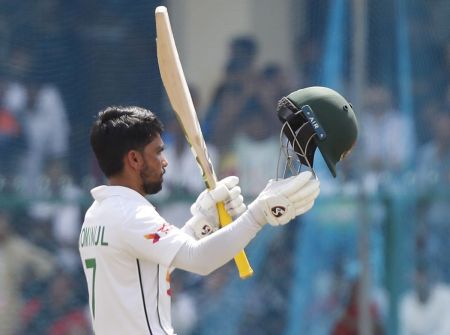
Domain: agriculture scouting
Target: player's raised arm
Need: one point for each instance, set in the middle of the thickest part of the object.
(313, 117)
(279, 202)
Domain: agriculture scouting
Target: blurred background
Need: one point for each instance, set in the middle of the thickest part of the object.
(370, 258)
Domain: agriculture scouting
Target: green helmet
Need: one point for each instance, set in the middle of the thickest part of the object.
(318, 117)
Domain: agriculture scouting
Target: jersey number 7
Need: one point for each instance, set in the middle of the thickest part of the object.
(92, 264)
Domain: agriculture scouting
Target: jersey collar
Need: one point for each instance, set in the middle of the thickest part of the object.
(102, 192)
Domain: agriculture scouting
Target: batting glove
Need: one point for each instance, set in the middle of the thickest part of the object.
(283, 200)
(205, 219)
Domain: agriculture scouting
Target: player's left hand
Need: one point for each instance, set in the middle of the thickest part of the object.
(205, 219)
(282, 200)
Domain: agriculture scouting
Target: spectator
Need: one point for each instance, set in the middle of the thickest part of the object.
(12, 97)
(433, 185)
(273, 84)
(44, 123)
(21, 262)
(329, 292)
(244, 50)
(20, 63)
(245, 107)
(184, 305)
(308, 63)
(46, 129)
(424, 310)
(57, 311)
(347, 323)
(57, 205)
(9, 133)
(267, 298)
(433, 161)
(387, 137)
(254, 152)
(234, 94)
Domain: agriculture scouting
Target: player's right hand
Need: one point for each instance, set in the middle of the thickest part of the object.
(205, 219)
(282, 200)
(226, 190)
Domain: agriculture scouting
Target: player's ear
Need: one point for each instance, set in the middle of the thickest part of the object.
(134, 159)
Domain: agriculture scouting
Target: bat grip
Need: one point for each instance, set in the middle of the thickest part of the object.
(242, 263)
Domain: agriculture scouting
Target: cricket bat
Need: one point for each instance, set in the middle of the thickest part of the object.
(180, 98)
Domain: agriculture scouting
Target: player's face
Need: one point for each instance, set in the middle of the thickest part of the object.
(154, 166)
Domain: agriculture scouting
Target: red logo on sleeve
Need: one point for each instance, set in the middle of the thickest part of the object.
(164, 228)
(154, 237)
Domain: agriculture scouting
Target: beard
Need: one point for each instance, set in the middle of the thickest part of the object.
(150, 187)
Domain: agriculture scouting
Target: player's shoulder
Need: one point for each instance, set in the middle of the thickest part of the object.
(117, 204)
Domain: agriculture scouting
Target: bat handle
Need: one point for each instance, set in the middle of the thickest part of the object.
(242, 263)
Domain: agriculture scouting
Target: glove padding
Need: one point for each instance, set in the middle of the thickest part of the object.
(283, 200)
(205, 219)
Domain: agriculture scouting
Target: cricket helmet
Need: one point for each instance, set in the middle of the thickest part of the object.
(318, 117)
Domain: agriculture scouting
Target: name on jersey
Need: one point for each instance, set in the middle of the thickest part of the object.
(92, 236)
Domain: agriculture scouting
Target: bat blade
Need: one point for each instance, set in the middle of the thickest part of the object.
(178, 92)
(180, 99)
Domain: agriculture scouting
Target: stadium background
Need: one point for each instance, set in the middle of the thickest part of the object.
(354, 257)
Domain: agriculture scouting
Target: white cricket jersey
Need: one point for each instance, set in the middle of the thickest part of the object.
(126, 248)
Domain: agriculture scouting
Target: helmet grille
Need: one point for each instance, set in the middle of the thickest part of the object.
(297, 137)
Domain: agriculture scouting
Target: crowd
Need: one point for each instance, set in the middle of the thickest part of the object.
(46, 172)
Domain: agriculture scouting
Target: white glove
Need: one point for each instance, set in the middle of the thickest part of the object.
(283, 200)
(205, 219)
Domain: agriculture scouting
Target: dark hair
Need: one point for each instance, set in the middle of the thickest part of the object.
(118, 130)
